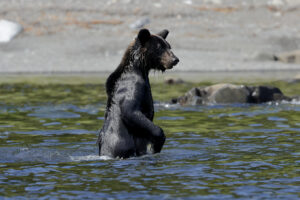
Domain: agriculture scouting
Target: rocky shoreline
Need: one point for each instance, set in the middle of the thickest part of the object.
(207, 35)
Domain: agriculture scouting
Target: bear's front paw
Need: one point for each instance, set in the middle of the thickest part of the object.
(159, 140)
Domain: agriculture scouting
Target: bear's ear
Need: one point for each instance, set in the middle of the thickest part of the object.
(144, 36)
(164, 33)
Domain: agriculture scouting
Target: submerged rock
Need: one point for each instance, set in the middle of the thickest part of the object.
(229, 93)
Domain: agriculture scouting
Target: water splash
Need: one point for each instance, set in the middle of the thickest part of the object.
(90, 158)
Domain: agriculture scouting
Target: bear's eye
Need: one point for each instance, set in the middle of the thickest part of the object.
(158, 46)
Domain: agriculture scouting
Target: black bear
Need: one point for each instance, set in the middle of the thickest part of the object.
(128, 129)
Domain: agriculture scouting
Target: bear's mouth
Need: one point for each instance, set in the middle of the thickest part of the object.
(174, 63)
(167, 67)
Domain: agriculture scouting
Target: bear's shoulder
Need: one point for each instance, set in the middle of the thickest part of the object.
(130, 84)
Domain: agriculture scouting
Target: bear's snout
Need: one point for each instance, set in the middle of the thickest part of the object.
(169, 60)
(175, 61)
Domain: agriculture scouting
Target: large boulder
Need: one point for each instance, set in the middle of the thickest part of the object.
(229, 93)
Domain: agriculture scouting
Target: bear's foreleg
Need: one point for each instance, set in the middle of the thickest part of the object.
(135, 119)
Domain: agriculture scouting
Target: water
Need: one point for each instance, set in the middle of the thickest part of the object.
(48, 151)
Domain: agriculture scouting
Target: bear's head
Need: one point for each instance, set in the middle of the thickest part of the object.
(156, 50)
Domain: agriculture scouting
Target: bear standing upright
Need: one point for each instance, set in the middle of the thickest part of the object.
(128, 128)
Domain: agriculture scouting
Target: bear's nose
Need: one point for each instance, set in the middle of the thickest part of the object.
(176, 60)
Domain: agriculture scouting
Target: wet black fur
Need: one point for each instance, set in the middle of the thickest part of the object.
(128, 128)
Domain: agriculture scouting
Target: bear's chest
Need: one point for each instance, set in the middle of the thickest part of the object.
(147, 103)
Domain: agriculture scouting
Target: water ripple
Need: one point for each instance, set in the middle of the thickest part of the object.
(240, 151)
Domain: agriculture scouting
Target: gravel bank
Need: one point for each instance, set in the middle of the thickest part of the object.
(90, 36)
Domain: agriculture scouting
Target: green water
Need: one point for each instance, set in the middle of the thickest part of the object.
(48, 134)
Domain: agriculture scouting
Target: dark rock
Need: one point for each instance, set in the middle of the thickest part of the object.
(229, 93)
(171, 81)
(262, 94)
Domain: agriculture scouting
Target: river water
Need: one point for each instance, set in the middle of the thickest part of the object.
(48, 149)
